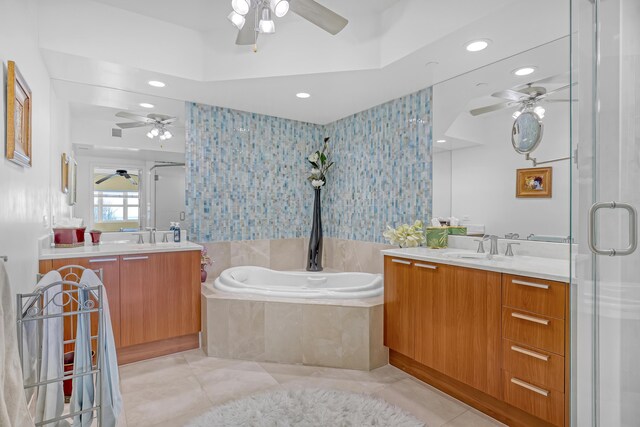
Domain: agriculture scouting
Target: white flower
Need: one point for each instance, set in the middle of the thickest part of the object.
(314, 157)
(315, 171)
(317, 183)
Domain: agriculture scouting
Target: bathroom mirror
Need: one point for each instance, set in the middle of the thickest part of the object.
(480, 140)
(526, 132)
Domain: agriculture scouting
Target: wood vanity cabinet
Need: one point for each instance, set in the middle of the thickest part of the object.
(154, 301)
(496, 341)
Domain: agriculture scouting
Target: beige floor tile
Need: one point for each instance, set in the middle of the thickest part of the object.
(475, 419)
(223, 385)
(157, 404)
(297, 382)
(424, 403)
(386, 374)
(152, 373)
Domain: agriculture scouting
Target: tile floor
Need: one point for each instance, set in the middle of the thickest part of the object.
(170, 390)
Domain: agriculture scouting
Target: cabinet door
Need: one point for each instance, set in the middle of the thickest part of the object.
(137, 290)
(467, 313)
(427, 277)
(160, 296)
(398, 305)
(111, 279)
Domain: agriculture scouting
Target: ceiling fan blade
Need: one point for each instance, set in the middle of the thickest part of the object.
(169, 120)
(319, 15)
(129, 125)
(136, 117)
(133, 181)
(248, 34)
(511, 95)
(126, 175)
(560, 100)
(558, 89)
(103, 179)
(490, 108)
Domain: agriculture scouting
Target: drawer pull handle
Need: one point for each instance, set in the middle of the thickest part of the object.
(530, 284)
(401, 261)
(103, 260)
(531, 387)
(133, 258)
(530, 353)
(432, 267)
(530, 318)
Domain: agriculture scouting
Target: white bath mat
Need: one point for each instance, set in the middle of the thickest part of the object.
(306, 408)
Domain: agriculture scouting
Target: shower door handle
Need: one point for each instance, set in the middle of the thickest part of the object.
(633, 229)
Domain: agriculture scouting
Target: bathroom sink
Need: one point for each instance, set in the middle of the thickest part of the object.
(469, 255)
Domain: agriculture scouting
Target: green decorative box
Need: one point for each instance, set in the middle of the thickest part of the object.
(437, 237)
(457, 231)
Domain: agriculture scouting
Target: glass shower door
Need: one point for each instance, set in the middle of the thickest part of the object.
(605, 197)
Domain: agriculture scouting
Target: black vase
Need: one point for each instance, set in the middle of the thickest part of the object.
(314, 260)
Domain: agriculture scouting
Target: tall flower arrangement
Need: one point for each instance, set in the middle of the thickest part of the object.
(320, 164)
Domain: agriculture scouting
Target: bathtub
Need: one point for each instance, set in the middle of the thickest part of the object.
(299, 284)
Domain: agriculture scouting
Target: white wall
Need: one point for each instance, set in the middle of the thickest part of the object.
(484, 178)
(30, 196)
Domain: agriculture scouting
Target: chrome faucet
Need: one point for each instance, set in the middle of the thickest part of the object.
(481, 244)
(494, 245)
(152, 234)
(509, 251)
(140, 238)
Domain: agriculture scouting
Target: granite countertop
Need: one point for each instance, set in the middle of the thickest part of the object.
(110, 249)
(530, 266)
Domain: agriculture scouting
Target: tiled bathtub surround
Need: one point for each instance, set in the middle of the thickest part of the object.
(246, 173)
(291, 254)
(339, 334)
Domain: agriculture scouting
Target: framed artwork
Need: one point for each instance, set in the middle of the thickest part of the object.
(64, 173)
(18, 117)
(534, 182)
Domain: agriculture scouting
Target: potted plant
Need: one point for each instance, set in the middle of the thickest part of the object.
(205, 260)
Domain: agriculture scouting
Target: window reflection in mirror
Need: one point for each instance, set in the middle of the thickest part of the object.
(116, 200)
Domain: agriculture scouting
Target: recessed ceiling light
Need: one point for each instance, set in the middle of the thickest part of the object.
(156, 83)
(524, 71)
(303, 95)
(477, 45)
(145, 105)
(441, 141)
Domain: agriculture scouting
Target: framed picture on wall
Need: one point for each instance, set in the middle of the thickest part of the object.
(18, 117)
(64, 173)
(534, 182)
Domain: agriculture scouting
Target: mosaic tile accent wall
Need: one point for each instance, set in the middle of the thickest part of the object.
(246, 173)
(246, 177)
(383, 170)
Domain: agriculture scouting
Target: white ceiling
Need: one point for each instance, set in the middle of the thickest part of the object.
(101, 53)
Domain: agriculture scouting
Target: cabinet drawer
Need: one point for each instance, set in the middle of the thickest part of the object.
(538, 367)
(534, 295)
(543, 403)
(546, 333)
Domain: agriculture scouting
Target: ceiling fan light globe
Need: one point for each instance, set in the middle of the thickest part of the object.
(539, 111)
(236, 19)
(167, 134)
(279, 7)
(162, 137)
(516, 114)
(149, 135)
(241, 7)
(266, 25)
(155, 132)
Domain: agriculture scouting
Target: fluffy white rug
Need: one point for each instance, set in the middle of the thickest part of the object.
(307, 407)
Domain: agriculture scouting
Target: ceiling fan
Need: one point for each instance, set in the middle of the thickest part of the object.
(158, 123)
(261, 22)
(527, 98)
(119, 172)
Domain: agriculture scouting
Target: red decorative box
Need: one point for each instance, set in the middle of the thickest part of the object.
(68, 237)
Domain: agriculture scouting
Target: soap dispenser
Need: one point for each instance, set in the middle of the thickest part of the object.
(176, 233)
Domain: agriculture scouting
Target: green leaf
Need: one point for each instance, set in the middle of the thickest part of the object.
(323, 158)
